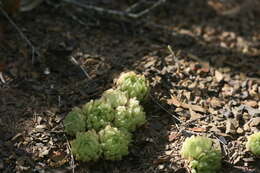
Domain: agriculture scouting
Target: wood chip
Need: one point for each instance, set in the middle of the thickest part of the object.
(174, 101)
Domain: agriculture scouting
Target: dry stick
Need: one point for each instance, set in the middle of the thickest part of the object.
(124, 15)
(77, 19)
(165, 109)
(72, 161)
(81, 67)
(21, 34)
(2, 79)
(132, 7)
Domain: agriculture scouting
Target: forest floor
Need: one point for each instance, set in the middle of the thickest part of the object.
(210, 85)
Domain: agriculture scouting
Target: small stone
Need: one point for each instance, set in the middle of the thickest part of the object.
(231, 126)
(219, 76)
(215, 102)
(251, 103)
(240, 130)
(254, 122)
(161, 166)
(1, 164)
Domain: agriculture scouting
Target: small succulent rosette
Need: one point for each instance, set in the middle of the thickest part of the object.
(253, 143)
(98, 114)
(114, 142)
(86, 147)
(203, 157)
(134, 85)
(74, 122)
(130, 117)
(115, 97)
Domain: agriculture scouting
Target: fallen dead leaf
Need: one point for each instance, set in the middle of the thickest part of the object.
(173, 136)
(251, 103)
(194, 115)
(198, 129)
(174, 101)
(219, 76)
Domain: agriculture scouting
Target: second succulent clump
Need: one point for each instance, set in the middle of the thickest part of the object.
(253, 143)
(103, 127)
(201, 154)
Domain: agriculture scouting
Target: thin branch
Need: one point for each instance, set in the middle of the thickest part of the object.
(165, 109)
(2, 79)
(72, 161)
(34, 51)
(134, 6)
(123, 15)
(81, 67)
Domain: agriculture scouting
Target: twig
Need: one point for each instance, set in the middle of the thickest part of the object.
(123, 15)
(193, 120)
(77, 19)
(81, 67)
(174, 56)
(34, 51)
(72, 161)
(165, 109)
(2, 77)
(134, 6)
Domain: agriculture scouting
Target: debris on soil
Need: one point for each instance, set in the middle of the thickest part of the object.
(209, 86)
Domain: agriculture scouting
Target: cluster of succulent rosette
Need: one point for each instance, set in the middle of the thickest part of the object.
(103, 128)
(253, 143)
(204, 156)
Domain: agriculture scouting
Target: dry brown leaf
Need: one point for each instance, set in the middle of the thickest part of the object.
(251, 103)
(198, 129)
(219, 76)
(194, 107)
(161, 159)
(173, 136)
(174, 101)
(194, 115)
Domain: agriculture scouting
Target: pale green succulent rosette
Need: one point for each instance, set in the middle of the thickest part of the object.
(130, 117)
(115, 97)
(86, 146)
(201, 154)
(74, 122)
(98, 114)
(209, 162)
(114, 142)
(253, 143)
(134, 85)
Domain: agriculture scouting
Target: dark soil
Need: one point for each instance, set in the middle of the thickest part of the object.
(213, 79)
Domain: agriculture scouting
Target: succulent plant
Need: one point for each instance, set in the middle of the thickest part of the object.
(98, 114)
(74, 122)
(134, 85)
(201, 154)
(114, 142)
(115, 97)
(86, 146)
(253, 143)
(131, 116)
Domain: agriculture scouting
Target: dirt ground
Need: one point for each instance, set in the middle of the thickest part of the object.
(210, 84)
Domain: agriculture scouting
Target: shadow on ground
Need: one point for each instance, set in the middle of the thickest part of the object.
(106, 48)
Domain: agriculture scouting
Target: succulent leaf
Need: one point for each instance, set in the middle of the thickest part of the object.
(201, 154)
(130, 117)
(114, 142)
(74, 122)
(86, 146)
(134, 85)
(98, 114)
(253, 143)
(115, 97)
